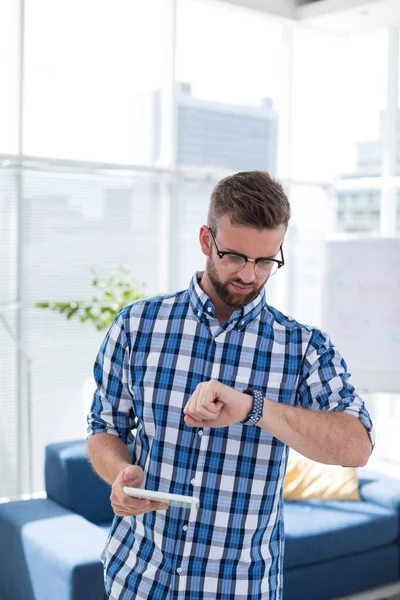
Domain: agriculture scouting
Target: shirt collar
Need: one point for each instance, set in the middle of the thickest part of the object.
(203, 307)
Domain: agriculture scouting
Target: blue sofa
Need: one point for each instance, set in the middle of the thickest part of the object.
(50, 548)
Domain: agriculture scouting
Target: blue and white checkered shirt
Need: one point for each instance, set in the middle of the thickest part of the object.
(157, 351)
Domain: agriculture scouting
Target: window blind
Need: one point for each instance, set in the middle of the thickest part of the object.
(70, 222)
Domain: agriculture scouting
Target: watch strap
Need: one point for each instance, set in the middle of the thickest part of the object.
(257, 409)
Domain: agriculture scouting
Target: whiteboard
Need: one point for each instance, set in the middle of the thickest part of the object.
(361, 309)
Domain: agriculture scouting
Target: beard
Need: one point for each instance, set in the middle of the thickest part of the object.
(224, 293)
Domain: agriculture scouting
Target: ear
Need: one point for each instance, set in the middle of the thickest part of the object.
(205, 240)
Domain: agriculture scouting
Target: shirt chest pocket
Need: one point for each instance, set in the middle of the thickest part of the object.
(163, 390)
(162, 371)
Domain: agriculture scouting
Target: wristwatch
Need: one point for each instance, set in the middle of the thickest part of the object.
(257, 410)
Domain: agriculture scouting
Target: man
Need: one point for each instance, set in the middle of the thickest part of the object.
(217, 384)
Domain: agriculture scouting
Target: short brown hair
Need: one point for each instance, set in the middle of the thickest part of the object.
(252, 198)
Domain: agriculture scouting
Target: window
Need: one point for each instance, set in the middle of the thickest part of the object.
(229, 95)
(339, 88)
(9, 76)
(72, 220)
(92, 74)
(9, 388)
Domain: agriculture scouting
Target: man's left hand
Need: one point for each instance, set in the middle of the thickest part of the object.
(215, 404)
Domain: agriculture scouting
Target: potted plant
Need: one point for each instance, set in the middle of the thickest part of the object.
(110, 296)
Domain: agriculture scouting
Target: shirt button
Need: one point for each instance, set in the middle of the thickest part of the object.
(199, 313)
(209, 309)
(200, 432)
(193, 481)
(185, 528)
(242, 323)
(178, 570)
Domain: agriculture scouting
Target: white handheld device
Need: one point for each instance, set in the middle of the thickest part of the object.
(173, 499)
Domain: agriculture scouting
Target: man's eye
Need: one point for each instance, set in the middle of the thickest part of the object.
(234, 258)
(265, 263)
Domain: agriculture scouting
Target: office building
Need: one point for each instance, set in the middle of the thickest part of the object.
(358, 210)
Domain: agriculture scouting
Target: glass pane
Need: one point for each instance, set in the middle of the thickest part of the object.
(9, 76)
(93, 75)
(190, 201)
(305, 252)
(358, 209)
(72, 222)
(338, 100)
(8, 334)
(229, 86)
(385, 413)
(398, 211)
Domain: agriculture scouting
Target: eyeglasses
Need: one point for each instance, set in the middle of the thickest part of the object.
(234, 261)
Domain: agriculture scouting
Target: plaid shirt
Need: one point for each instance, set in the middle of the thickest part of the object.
(155, 354)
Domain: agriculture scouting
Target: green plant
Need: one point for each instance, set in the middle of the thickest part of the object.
(111, 295)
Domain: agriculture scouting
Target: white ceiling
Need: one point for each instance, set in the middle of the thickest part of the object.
(279, 8)
(346, 17)
(342, 17)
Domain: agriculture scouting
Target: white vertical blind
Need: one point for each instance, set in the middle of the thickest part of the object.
(71, 222)
(189, 212)
(8, 350)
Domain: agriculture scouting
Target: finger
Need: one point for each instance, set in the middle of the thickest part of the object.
(132, 477)
(190, 422)
(190, 405)
(199, 416)
(128, 502)
(207, 402)
(194, 415)
(208, 412)
(203, 413)
(123, 511)
(144, 504)
(158, 505)
(135, 504)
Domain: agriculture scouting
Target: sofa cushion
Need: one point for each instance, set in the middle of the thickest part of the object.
(380, 489)
(15, 579)
(63, 557)
(72, 483)
(318, 531)
(343, 577)
(48, 552)
(307, 479)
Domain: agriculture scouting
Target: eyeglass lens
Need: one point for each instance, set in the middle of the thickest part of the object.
(235, 262)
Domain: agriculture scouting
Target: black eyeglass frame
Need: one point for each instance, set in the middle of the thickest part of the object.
(221, 254)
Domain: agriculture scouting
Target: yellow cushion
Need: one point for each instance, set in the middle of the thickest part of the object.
(306, 479)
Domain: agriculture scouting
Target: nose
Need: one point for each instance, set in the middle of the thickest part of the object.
(247, 273)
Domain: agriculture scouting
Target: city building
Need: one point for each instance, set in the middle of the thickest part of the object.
(211, 135)
(226, 136)
(358, 210)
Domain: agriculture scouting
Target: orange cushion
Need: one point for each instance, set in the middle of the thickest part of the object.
(306, 479)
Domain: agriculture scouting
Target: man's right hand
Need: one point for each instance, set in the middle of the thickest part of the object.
(126, 506)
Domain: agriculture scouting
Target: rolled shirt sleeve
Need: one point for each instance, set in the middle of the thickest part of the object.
(112, 409)
(324, 382)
